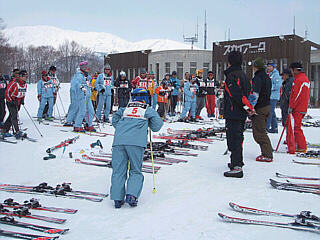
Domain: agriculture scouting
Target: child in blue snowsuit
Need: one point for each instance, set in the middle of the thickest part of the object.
(129, 143)
(46, 92)
(190, 100)
(81, 87)
(104, 84)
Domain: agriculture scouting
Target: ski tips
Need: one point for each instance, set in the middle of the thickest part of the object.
(57, 231)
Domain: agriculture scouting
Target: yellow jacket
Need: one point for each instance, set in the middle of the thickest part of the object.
(94, 93)
(150, 86)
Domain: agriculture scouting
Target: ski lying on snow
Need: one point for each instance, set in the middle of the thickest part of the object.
(49, 193)
(293, 187)
(182, 138)
(299, 224)
(24, 212)
(8, 141)
(303, 214)
(34, 204)
(306, 163)
(65, 186)
(11, 221)
(25, 235)
(145, 169)
(279, 175)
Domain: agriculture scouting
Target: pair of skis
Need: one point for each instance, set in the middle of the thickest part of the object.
(302, 188)
(303, 221)
(107, 163)
(63, 190)
(25, 235)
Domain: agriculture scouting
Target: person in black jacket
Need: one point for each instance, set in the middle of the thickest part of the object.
(124, 89)
(260, 98)
(3, 85)
(287, 81)
(201, 94)
(236, 109)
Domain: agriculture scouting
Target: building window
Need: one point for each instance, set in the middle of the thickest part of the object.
(283, 64)
(193, 68)
(167, 67)
(205, 70)
(180, 70)
(157, 72)
(150, 67)
(130, 73)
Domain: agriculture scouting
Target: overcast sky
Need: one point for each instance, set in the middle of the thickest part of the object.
(145, 19)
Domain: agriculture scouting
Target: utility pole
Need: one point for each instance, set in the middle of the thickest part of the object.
(294, 25)
(205, 30)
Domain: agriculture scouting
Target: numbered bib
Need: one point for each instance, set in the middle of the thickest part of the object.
(202, 84)
(149, 84)
(47, 85)
(193, 89)
(135, 110)
(210, 84)
(21, 92)
(124, 85)
(142, 84)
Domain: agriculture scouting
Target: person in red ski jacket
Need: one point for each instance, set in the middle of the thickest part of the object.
(15, 94)
(141, 80)
(298, 103)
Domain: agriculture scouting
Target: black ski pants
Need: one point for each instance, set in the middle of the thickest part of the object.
(123, 101)
(174, 100)
(12, 118)
(2, 109)
(235, 130)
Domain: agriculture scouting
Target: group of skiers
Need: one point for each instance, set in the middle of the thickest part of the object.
(91, 100)
(257, 99)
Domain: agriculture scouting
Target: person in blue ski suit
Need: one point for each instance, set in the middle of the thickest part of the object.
(190, 100)
(175, 83)
(129, 143)
(81, 86)
(272, 122)
(73, 107)
(46, 92)
(104, 84)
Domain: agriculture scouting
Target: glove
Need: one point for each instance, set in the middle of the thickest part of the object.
(204, 92)
(39, 98)
(162, 93)
(54, 94)
(289, 110)
(252, 99)
(174, 84)
(84, 90)
(102, 90)
(22, 101)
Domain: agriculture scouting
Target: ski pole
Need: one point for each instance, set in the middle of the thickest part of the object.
(32, 120)
(151, 152)
(61, 103)
(58, 112)
(284, 128)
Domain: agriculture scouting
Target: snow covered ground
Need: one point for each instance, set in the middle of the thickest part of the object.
(188, 198)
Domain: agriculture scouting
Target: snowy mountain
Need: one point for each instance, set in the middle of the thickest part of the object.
(97, 41)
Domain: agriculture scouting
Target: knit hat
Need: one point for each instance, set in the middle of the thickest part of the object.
(258, 63)
(84, 65)
(296, 65)
(43, 73)
(272, 64)
(151, 72)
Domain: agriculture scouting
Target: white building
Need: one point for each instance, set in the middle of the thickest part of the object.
(182, 61)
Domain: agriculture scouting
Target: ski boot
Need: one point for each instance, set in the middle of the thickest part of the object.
(90, 129)
(236, 172)
(263, 159)
(181, 120)
(118, 203)
(131, 200)
(20, 135)
(79, 129)
(66, 124)
(49, 119)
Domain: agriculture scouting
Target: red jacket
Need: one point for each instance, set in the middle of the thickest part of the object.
(300, 93)
(16, 90)
(140, 83)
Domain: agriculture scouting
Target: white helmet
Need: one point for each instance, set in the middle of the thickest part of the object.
(122, 74)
